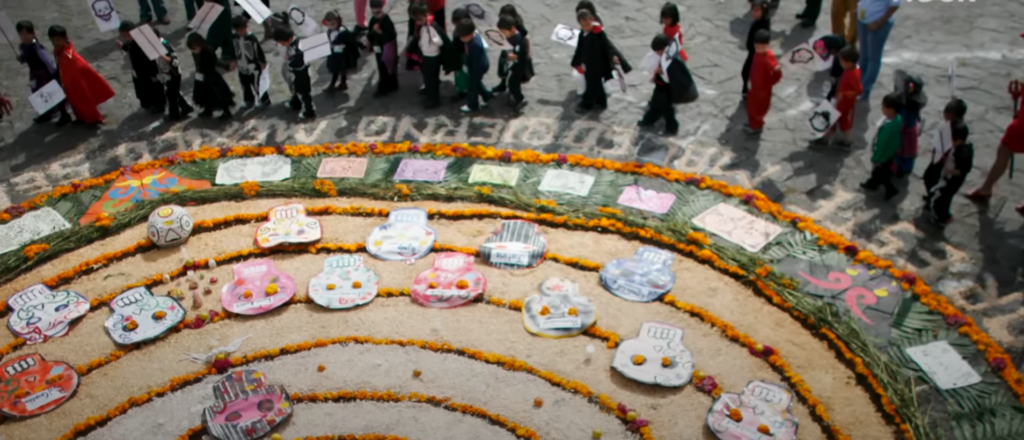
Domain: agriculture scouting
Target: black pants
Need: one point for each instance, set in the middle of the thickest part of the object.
(932, 176)
(386, 81)
(594, 93)
(431, 71)
(660, 107)
(946, 192)
(746, 71)
(881, 175)
(515, 86)
(812, 9)
(302, 96)
(250, 87)
(150, 93)
(477, 89)
(176, 103)
(439, 17)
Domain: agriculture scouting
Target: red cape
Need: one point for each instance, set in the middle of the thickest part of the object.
(85, 89)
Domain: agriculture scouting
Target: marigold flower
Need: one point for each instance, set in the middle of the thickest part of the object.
(545, 311)
(31, 251)
(331, 286)
(666, 361)
(639, 359)
(764, 429)
(131, 325)
(249, 188)
(462, 284)
(160, 314)
(572, 311)
(321, 368)
(356, 284)
(271, 289)
(538, 402)
(247, 294)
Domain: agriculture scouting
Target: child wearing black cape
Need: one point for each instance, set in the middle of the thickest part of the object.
(298, 71)
(170, 74)
(527, 62)
(250, 62)
(672, 85)
(596, 58)
(148, 88)
(383, 38)
(516, 66)
(211, 92)
(344, 52)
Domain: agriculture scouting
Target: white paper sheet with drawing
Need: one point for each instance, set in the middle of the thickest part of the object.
(105, 15)
(30, 227)
(943, 365)
(47, 97)
(737, 226)
(255, 8)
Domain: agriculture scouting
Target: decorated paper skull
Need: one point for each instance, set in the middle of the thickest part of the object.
(258, 287)
(103, 9)
(517, 244)
(656, 356)
(31, 385)
(344, 283)
(404, 237)
(39, 314)
(763, 406)
(288, 224)
(138, 316)
(246, 407)
(169, 225)
(644, 277)
(559, 311)
(451, 282)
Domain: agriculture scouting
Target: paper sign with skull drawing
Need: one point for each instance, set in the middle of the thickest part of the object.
(763, 406)
(517, 244)
(559, 311)
(31, 385)
(104, 14)
(344, 283)
(288, 224)
(39, 314)
(258, 287)
(404, 237)
(138, 316)
(644, 277)
(452, 282)
(246, 407)
(657, 356)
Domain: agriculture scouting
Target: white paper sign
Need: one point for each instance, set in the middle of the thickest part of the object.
(8, 30)
(824, 116)
(256, 169)
(256, 9)
(650, 63)
(264, 81)
(304, 21)
(952, 78)
(942, 140)
(105, 15)
(737, 226)
(315, 47)
(47, 97)
(30, 227)
(148, 41)
(566, 35)
(567, 182)
(622, 77)
(944, 365)
(205, 17)
(37, 400)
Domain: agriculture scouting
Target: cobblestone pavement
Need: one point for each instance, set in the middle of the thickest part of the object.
(978, 261)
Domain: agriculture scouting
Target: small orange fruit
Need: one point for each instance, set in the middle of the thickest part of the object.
(545, 311)
(433, 285)
(160, 314)
(666, 362)
(330, 287)
(572, 311)
(247, 294)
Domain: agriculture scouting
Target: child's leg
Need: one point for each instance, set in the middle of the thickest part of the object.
(945, 200)
(303, 90)
(472, 92)
(432, 79)
(248, 88)
(172, 89)
(360, 6)
(745, 73)
(515, 88)
(334, 79)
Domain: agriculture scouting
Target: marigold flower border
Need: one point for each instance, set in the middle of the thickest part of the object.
(375, 436)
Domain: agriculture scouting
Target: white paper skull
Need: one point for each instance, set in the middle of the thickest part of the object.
(169, 225)
(103, 9)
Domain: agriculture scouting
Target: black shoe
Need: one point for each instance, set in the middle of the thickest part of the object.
(868, 186)
(583, 108)
(801, 16)
(806, 24)
(206, 113)
(45, 117)
(307, 115)
(458, 97)
(670, 131)
(644, 123)
(360, 29)
(500, 88)
(187, 110)
(890, 195)
(65, 119)
(156, 110)
(225, 115)
(174, 118)
(342, 87)
(379, 93)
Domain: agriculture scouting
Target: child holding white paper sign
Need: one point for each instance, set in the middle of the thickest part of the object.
(954, 113)
(250, 62)
(211, 91)
(344, 51)
(955, 167)
(596, 58)
(383, 38)
(41, 69)
(148, 88)
(170, 74)
(299, 70)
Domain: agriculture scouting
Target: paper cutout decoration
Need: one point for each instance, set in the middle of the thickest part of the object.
(496, 175)
(205, 17)
(487, 25)
(304, 22)
(566, 35)
(345, 282)
(336, 167)
(559, 311)
(644, 277)
(169, 225)
(761, 403)
(315, 47)
(288, 224)
(943, 365)
(246, 407)
(134, 187)
(273, 168)
(39, 314)
(9, 32)
(451, 282)
(404, 237)
(517, 244)
(264, 86)
(257, 11)
(645, 199)
(31, 385)
(104, 14)
(32, 226)
(258, 287)
(47, 97)
(825, 115)
(737, 226)
(656, 356)
(423, 170)
(151, 44)
(138, 316)
(567, 182)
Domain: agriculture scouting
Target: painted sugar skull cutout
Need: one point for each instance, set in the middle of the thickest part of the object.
(763, 406)
(404, 237)
(517, 244)
(246, 407)
(451, 282)
(644, 277)
(39, 314)
(169, 225)
(288, 224)
(344, 283)
(656, 356)
(139, 316)
(258, 287)
(559, 311)
(31, 385)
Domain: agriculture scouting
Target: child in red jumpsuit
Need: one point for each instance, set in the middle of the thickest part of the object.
(848, 90)
(765, 73)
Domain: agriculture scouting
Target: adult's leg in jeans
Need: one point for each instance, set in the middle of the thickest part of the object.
(145, 12)
(812, 9)
(360, 6)
(999, 167)
(159, 9)
(872, 45)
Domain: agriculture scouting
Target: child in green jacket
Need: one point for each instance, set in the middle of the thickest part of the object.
(887, 143)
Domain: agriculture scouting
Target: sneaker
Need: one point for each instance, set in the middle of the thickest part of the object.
(466, 109)
(225, 115)
(206, 113)
(306, 115)
(890, 195)
(248, 105)
(423, 90)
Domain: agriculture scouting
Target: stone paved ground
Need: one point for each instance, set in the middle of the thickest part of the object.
(978, 261)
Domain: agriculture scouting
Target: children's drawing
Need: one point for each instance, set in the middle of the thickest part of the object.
(345, 282)
(47, 97)
(246, 407)
(337, 167)
(646, 199)
(205, 17)
(273, 168)
(404, 237)
(104, 14)
(567, 182)
(763, 406)
(943, 365)
(134, 187)
(31, 385)
(258, 287)
(304, 21)
(824, 116)
(656, 356)
(737, 226)
(39, 314)
(315, 47)
(423, 170)
(288, 224)
(644, 277)
(517, 244)
(566, 35)
(138, 316)
(559, 311)
(496, 175)
(169, 225)
(32, 226)
(256, 10)
(451, 282)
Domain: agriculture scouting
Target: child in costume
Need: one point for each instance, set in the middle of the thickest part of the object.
(84, 88)
(831, 45)
(383, 38)
(170, 75)
(461, 75)
(596, 58)
(765, 73)
(954, 112)
(41, 69)
(912, 90)
(211, 92)
(344, 51)
(517, 66)
(670, 19)
(847, 92)
(955, 166)
(759, 10)
(427, 43)
(672, 85)
(148, 88)
(588, 6)
(510, 11)
(250, 62)
(298, 72)
(887, 142)
(477, 64)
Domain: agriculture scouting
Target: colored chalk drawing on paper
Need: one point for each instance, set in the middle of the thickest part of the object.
(634, 196)
(802, 54)
(644, 277)
(246, 407)
(943, 365)
(496, 175)
(345, 282)
(657, 342)
(422, 170)
(105, 15)
(761, 403)
(824, 116)
(136, 315)
(258, 287)
(559, 311)
(32, 226)
(737, 226)
(273, 168)
(30, 385)
(451, 282)
(338, 167)
(517, 244)
(39, 314)
(288, 224)
(404, 237)
(567, 182)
